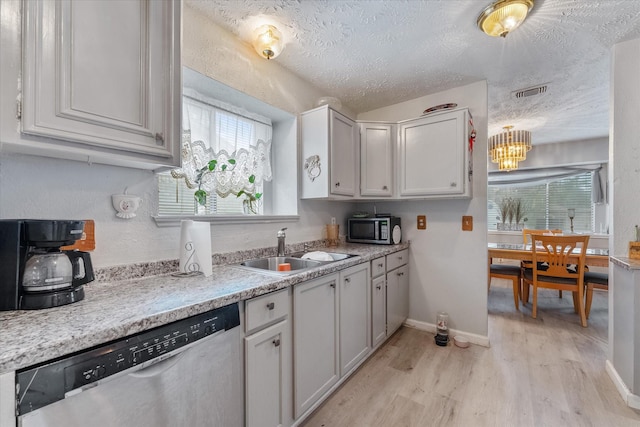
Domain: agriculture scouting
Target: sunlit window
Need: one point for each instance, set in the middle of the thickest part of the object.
(542, 206)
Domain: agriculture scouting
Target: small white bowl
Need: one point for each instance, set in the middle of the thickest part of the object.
(461, 341)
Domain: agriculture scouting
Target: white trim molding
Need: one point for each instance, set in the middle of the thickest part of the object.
(632, 400)
(431, 327)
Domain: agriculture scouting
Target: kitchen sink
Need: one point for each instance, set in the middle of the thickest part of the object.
(295, 260)
(335, 255)
(270, 264)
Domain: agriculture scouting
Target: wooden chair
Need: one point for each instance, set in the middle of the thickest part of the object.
(556, 253)
(526, 238)
(594, 281)
(509, 272)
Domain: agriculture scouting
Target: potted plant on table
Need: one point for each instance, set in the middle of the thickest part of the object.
(519, 208)
(506, 212)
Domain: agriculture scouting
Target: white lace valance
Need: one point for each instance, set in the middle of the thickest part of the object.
(210, 133)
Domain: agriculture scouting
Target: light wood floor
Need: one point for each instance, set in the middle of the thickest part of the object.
(538, 372)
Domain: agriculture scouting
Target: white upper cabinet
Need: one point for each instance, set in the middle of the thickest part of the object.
(376, 159)
(434, 156)
(103, 77)
(329, 153)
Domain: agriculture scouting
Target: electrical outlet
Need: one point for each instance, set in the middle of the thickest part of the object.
(422, 222)
(467, 223)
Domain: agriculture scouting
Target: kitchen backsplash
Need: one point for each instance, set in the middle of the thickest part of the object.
(134, 271)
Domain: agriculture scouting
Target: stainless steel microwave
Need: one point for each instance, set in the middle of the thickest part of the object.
(379, 231)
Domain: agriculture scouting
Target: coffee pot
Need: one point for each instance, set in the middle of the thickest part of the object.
(35, 272)
(50, 271)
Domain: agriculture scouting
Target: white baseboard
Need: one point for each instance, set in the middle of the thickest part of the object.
(431, 327)
(632, 400)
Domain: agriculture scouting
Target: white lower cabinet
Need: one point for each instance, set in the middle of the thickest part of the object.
(397, 290)
(331, 332)
(378, 302)
(268, 367)
(355, 327)
(315, 339)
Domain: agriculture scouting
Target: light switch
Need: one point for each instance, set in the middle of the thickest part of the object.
(422, 222)
(467, 223)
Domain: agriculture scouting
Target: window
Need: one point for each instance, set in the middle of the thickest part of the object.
(214, 132)
(546, 204)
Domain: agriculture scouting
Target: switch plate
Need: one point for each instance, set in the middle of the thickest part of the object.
(467, 223)
(422, 222)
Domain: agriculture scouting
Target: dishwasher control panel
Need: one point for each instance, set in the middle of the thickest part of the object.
(52, 381)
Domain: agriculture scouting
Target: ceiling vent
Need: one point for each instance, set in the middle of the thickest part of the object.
(532, 91)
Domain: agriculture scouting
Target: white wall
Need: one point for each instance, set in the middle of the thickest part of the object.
(39, 187)
(624, 173)
(448, 266)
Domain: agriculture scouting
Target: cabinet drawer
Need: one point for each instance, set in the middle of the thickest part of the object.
(266, 309)
(378, 266)
(397, 259)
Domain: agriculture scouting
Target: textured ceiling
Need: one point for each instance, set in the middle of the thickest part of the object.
(371, 54)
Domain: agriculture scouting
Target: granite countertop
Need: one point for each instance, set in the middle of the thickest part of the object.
(626, 262)
(116, 309)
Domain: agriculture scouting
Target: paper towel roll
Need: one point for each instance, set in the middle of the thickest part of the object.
(195, 247)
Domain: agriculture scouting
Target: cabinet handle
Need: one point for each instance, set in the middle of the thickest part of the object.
(271, 306)
(454, 184)
(380, 265)
(332, 284)
(347, 280)
(378, 287)
(337, 184)
(159, 138)
(276, 342)
(400, 258)
(400, 273)
(385, 187)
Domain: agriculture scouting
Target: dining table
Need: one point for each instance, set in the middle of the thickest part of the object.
(596, 257)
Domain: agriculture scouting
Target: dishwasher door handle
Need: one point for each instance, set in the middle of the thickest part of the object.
(158, 366)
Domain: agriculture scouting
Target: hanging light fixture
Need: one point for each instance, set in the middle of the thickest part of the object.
(268, 41)
(503, 16)
(509, 147)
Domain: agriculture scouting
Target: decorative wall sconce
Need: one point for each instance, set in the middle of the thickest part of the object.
(268, 41)
(125, 204)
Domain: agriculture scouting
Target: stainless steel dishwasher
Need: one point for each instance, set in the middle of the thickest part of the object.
(187, 373)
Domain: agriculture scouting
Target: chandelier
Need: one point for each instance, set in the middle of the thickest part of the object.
(509, 147)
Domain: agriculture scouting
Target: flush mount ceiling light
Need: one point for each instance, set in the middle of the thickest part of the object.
(503, 16)
(268, 41)
(509, 147)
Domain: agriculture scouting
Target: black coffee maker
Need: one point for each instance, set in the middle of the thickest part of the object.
(34, 272)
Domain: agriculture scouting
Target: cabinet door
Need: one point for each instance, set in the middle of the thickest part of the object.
(376, 159)
(394, 316)
(315, 340)
(343, 134)
(104, 74)
(267, 377)
(433, 156)
(355, 316)
(378, 310)
(403, 287)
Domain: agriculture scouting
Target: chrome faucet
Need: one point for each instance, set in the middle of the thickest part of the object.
(281, 236)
